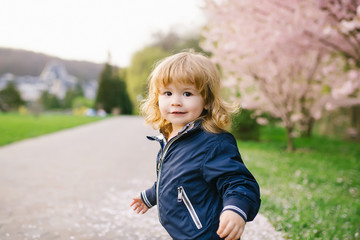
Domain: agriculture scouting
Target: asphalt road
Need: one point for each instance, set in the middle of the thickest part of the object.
(78, 183)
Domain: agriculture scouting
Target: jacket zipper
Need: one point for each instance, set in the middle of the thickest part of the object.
(159, 167)
(182, 197)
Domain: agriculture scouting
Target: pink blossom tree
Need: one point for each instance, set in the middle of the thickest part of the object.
(269, 57)
(343, 36)
(342, 29)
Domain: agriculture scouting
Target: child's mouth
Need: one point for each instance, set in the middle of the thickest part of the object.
(176, 113)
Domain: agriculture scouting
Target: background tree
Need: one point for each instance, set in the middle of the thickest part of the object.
(102, 97)
(342, 36)
(112, 92)
(10, 98)
(268, 57)
(122, 97)
(141, 65)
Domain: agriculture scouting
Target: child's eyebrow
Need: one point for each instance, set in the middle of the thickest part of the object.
(187, 88)
(190, 88)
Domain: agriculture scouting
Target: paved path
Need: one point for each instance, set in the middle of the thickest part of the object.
(78, 183)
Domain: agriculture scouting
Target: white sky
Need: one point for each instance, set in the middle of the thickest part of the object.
(88, 29)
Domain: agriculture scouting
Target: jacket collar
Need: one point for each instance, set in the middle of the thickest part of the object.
(191, 126)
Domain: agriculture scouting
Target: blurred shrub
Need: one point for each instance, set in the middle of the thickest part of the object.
(80, 102)
(23, 110)
(10, 98)
(50, 101)
(71, 95)
(244, 127)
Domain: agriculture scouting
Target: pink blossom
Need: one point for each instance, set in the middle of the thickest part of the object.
(354, 75)
(262, 121)
(279, 54)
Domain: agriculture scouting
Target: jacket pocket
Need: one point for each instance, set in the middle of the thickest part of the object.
(182, 197)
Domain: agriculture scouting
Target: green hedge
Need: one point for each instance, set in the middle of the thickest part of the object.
(244, 127)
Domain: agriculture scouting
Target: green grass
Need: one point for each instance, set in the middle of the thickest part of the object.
(312, 193)
(15, 127)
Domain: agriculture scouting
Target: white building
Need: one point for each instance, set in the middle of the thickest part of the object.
(57, 79)
(54, 78)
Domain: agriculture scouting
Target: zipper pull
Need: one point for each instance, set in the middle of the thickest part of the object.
(179, 194)
(159, 164)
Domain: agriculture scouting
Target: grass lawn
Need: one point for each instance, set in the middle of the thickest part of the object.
(15, 127)
(312, 193)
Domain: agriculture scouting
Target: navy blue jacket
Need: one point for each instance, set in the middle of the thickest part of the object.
(199, 175)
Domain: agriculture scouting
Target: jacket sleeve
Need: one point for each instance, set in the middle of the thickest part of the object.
(149, 196)
(225, 169)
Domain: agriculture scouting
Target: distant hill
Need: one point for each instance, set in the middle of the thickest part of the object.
(22, 62)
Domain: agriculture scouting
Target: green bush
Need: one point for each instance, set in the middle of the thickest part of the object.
(10, 98)
(80, 102)
(244, 127)
(50, 101)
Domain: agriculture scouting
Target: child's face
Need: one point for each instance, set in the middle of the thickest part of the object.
(180, 104)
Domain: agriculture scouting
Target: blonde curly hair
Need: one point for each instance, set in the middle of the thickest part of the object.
(188, 68)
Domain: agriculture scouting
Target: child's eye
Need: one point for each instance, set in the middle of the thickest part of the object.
(187, 94)
(167, 93)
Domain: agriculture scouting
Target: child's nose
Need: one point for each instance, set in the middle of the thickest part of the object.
(176, 101)
(176, 104)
